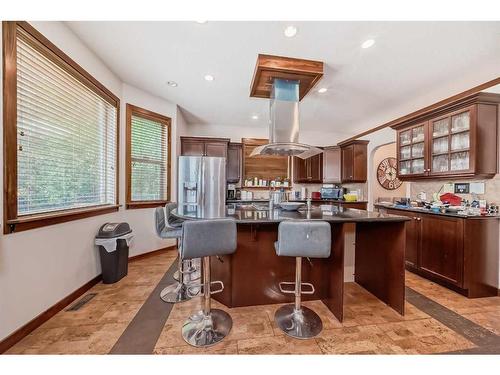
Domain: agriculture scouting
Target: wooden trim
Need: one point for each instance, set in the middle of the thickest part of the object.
(51, 51)
(153, 253)
(44, 46)
(36, 221)
(9, 56)
(36, 322)
(132, 110)
(429, 108)
(146, 204)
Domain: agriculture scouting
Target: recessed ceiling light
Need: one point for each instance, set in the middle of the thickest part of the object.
(201, 21)
(322, 90)
(290, 31)
(368, 43)
(255, 117)
(172, 83)
(209, 77)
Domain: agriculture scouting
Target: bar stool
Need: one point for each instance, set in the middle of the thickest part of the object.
(311, 239)
(203, 239)
(171, 228)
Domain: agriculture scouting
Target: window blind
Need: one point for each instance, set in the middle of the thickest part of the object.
(149, 158)
(66, 138)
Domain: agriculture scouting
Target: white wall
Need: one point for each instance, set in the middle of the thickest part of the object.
(235, 133)
(39, 267)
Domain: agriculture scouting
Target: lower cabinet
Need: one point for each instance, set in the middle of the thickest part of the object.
(442, 247)
(452, 251)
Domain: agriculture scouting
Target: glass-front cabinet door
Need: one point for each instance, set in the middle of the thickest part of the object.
(450, 139)
(412, 150)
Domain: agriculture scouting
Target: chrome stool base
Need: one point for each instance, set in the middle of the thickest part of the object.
(301, 324)
(175, 293)
(202, 330)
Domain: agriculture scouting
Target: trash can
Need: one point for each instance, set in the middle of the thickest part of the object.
(113, 240)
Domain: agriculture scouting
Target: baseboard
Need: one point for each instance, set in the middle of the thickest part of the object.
(36, 322)
(152, 253)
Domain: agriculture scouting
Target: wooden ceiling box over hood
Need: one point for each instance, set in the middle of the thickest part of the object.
(268, 67)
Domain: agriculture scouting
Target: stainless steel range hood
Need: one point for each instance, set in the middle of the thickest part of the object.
(284, 123)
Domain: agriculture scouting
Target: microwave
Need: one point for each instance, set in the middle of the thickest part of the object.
(332, 193)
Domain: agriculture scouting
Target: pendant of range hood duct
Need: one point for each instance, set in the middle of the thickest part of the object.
(284, 95)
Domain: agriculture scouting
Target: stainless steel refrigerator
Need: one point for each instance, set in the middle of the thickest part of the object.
(201, 186)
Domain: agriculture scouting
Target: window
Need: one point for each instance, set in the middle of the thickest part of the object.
(60, 135)
(148, 158)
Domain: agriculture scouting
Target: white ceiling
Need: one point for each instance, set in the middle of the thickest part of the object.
(408, 59)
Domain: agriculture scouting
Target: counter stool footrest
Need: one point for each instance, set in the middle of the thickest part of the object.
(292, 291)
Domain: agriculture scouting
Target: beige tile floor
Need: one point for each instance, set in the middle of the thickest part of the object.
(369, 327)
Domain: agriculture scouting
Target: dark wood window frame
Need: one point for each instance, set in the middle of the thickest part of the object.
(13, 223)
(132, 110)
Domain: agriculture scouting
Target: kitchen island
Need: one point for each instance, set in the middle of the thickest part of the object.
(251, 275)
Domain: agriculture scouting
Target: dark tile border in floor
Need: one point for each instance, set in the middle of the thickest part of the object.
(143, 331)
(487, 342)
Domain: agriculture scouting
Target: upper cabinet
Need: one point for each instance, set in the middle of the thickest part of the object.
(332, 165)
(354, 159)
(233, 166)
(198, 146)
(308, 170)
(459, 140)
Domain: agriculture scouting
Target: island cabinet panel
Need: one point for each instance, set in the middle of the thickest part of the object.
(202, 146)
(308, 170)
(267, 167)
(354, 156)
(459, 253)
(442, 248)
(233, 166)
(453, 141)
(332, 165)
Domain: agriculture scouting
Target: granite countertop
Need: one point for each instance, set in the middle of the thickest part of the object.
(327, 200)
(255, 214)
(426, 211)
(294, 200)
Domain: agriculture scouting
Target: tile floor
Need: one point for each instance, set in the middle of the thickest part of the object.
(370, 327)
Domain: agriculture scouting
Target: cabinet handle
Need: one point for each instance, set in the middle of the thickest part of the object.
(418, 219)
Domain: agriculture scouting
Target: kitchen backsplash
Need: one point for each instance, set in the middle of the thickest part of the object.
(491, 189)
(264, 194)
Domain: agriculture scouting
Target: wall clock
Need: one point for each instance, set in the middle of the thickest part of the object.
(387, 174)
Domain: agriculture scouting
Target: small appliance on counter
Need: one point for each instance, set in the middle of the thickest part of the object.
(231, 191)
(335, 192)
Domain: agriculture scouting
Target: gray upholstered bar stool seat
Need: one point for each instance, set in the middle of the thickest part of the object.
(167, 227)
(203, 239)
(311, 239)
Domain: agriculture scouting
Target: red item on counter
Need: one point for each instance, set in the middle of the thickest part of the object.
(316, 195)
(452, 199)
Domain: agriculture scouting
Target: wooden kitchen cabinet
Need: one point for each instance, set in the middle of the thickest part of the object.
(441, 252)
(453, 141)
(308, 170)
(201, 146)
(456, 252)
(233, 166)
(354, 159)
(412, 237)
(332, 165)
